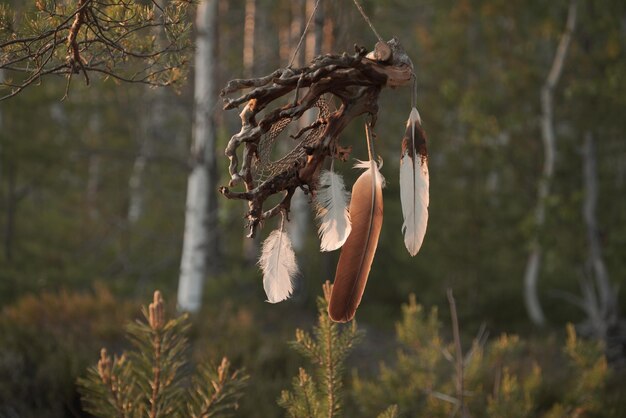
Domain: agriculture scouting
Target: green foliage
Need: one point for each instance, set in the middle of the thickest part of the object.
(322, 395)
(479, 67)
(130, 41)
(587, 370)
(327, 349)
(46, 341)
(153, 380)
(256, 341)
(391, 412)
(500, 378)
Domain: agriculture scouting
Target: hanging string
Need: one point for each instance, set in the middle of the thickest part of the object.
(414, 92)
(367, 19)
(306, 28)
(308, 23)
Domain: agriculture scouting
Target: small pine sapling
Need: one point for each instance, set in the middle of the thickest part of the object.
(435, 378)
(154, 379)
(587, 375)
(321, 395)
(327, 349)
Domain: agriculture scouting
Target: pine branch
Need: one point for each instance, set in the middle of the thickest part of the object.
(105, 390)
(327, 350)
(154, 379)
(223, 393)
(304, 401)
(391, 412)
(124, 39)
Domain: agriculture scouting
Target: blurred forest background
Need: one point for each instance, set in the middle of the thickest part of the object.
(93, 191)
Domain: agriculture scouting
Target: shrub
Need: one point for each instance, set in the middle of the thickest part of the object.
(46, 341)
(499, 378)
(154, 380)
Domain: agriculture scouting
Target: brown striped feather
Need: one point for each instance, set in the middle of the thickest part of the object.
(357, 253)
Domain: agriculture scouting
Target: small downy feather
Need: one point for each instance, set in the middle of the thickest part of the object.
(414, 183)
(357, 254)
(278, 262)
(332, 211)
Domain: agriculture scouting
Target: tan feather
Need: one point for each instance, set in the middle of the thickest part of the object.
(357, 253)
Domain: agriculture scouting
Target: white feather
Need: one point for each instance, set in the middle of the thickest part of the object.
(278, 263)
(332, 210)
(372, 165)
(414, 193)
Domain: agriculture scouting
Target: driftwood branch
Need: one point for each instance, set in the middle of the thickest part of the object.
(354, 80)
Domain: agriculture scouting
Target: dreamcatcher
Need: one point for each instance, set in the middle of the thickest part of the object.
(355, 82)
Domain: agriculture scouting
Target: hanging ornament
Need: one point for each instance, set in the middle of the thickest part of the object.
(271, 109)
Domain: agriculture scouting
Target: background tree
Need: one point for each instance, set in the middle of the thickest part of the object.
(531, 275)
(201, 240)
(480, 67)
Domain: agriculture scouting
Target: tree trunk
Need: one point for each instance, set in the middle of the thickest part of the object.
(299, 218)
(248, 38)
(135, 183)
(151, 128)
(93, 168)
(201, 238)
(93, 184)
(589, 212)
(533, 266)
(295, 31)
(599, 297)
(328, 30)
(284, 44)
(1, 127)
(313, 44)
(11, 203)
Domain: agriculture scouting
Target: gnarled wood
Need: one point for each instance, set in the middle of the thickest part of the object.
(355, 80)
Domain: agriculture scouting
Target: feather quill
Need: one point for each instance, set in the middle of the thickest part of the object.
(278, 263)
(357, 254)
(332, 211)
(414, 183)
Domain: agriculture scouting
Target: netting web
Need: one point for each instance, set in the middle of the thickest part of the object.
(264, 167)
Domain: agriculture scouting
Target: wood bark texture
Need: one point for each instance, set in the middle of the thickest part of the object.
(354, 80)
(200, 236)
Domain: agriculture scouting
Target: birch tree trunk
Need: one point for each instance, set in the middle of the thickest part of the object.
(299, 219)
(201, 237)
(599, 297)
(533, 265)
